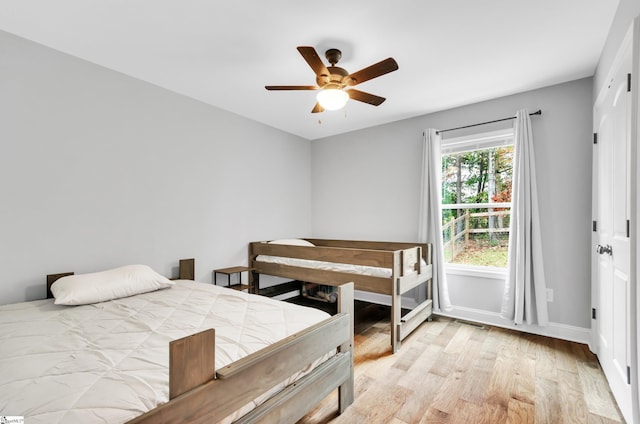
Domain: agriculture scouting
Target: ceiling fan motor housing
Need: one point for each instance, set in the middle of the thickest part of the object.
(338, 78)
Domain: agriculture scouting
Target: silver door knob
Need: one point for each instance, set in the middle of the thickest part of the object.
(604, 249)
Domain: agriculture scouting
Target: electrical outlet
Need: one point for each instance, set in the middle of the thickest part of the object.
(549, 295)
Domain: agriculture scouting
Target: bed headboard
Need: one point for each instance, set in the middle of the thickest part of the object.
(52, 278)
(186, 271)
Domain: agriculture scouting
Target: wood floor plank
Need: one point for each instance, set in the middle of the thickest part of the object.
(464, 412)
(565, 358)
(447, 397)
(444, 338)
(459, 340)
(548, 402)
(419, 371)
(444, 364)
(596, 391)
(424, 390)
(573, 406)
(520, 412)
(434, 416)
(501, 383)
(524, 387)
(380, 403)
(492, 414)
(476, 382)
(546, 360)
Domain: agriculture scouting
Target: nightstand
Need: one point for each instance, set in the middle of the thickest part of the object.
(229, 272)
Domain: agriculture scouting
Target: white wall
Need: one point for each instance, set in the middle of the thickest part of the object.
(98, 169)
(366, 186)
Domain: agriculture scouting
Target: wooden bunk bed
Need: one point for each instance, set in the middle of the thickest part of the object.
(199, 393)
(407, 272)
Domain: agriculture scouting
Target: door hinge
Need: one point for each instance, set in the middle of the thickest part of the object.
(627, 228)
(593, 313)
(628, 82)
(595, 226)
(628, 375)
(595, 138)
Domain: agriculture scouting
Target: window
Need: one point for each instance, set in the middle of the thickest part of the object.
(476, 198)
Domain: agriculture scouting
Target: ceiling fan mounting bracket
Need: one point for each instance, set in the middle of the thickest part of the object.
(333, 56)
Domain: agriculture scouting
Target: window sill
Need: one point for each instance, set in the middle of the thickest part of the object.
(476, 271)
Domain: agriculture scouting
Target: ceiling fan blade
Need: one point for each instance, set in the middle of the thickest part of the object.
(291, 87)
(309, 54)
(361, 96)
(373, 71)
(317, 108)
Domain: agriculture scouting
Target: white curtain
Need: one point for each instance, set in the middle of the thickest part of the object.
(524, 298)
(430, 220)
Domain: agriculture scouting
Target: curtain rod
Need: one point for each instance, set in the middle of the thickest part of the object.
(538, 112)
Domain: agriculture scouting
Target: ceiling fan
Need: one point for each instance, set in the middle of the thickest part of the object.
(333, 80)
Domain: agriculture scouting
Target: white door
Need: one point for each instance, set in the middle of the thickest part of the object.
(612, 300)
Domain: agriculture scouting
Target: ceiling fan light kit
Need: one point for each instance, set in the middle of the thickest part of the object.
(333, 80)
(332, 98)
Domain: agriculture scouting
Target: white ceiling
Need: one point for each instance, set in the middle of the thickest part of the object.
(450, 53)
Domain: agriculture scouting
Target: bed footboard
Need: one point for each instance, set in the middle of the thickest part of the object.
(244, 380)
(410, 273)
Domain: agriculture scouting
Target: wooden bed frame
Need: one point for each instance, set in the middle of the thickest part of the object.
(401, 258)
(200, 394)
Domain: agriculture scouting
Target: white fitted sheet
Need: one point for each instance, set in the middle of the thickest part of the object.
(371, 271)
(108, 362)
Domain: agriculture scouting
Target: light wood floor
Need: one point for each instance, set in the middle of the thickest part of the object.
(452, 372)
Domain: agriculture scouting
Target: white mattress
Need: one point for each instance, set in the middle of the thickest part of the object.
(108, 362)
(371, 271)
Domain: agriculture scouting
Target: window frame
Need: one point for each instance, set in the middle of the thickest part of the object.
(476, 141)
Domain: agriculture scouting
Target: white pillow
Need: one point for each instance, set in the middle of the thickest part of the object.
(293, 242)
(101, 286)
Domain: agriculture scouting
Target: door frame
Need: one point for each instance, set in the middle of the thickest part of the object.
(632, 36)
(635, 214)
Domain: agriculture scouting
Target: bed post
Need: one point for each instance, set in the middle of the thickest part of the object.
(345, 305)
(187, 269)
(52, 278)
(396, 301)
(191, 362)
(254, 277)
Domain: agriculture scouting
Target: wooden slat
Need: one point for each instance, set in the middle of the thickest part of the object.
(191, 362)
(368, 257)
(412, 281)
(362, 282)
(292, 403)
(361, 244)
(293, 352)
(414, 318)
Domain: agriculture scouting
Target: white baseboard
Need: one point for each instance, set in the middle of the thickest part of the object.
(558, 331)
